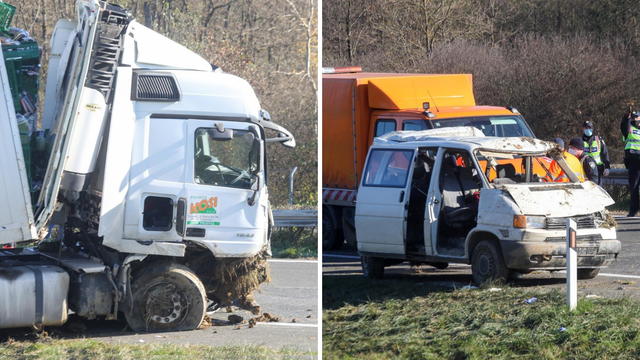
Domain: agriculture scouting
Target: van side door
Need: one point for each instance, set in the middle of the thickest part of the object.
(381, 208)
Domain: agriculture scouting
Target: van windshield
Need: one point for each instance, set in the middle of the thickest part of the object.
(500, 126)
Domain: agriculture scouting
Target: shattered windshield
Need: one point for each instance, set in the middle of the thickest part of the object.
(229, 162)
(515, 168)
(499, 126)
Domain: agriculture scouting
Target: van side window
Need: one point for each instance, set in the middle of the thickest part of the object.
(388, 168)
(414, 125)
(384, 127)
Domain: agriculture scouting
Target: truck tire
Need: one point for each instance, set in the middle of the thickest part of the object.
(585, 274)
(372, 267)
(332, 236)
(166, 297)
(487, 263)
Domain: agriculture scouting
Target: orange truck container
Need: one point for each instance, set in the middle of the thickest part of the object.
(358, 106)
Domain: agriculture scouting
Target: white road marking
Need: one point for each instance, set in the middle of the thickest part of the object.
(612, 275)
(293, 261)
(342, 256)
(287, 324)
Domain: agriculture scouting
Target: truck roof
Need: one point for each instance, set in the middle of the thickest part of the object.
(466, 137)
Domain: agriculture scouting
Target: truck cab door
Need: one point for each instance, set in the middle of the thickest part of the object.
(225, 204)
(383, 196)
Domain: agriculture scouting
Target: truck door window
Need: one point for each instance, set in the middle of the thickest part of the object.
(157, 214)
(229, 163)
(414, 125)
(384, 127)
(388, 168)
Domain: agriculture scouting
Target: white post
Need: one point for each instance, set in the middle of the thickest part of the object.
(572, 266)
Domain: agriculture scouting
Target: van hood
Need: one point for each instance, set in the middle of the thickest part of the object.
(558, 199)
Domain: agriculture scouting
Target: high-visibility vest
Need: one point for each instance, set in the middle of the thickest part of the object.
(574, 164)
(633, 140)
(594, 151)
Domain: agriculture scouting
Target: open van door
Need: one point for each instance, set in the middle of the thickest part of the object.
(16, 213)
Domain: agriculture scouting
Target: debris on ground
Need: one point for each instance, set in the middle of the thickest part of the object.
(252, 323)
(294, 320)
(266, 317)
(238, 327)
(592, 296)
(494, 289)
(206, 322)
(625, 282)
(620, 288)
(469, 287)
(309, 316)
(531, 301)
(562, 328)
(235, 319)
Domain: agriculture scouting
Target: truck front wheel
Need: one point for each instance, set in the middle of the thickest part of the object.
(372, 267)
(487, 263)
(167, 297)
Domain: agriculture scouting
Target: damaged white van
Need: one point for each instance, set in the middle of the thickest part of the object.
(455, 196)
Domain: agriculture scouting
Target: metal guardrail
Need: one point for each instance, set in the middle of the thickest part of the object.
(617, 177)
(298, 218)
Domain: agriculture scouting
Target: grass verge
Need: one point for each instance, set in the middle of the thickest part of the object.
(396, 319)
(295, 242)
(91, 349)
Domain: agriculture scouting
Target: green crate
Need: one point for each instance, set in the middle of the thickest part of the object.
(14, 72)
(28, 52)
(6, 15)
(30, 84)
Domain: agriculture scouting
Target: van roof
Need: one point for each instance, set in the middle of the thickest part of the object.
(466, 137)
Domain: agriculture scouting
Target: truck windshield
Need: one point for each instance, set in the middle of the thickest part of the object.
(500, 126)
(229, 162)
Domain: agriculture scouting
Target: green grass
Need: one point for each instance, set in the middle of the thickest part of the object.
(92, 349)
(402, 319)
(295, 242)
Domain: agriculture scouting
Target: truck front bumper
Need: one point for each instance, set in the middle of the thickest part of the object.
(523, 255)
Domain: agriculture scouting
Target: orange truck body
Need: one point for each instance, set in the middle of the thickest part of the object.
(356, 106)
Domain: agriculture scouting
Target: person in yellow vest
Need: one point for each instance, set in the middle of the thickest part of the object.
(556, 171)
(595, 147)
(630, 128)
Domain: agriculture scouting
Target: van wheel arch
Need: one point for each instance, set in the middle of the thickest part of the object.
(476, 238)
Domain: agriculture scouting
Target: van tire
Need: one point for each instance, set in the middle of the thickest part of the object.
(166, 297)
(586, 274)
(372, 267)
(487, 263)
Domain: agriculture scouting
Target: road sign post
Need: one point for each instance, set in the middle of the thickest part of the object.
(572, 266)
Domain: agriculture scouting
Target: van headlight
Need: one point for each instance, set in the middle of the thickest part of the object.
(531, 222)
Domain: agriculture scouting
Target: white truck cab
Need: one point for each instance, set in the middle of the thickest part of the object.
(455, 196)
(156, 183)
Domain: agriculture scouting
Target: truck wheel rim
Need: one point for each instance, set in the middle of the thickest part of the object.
(165, 305)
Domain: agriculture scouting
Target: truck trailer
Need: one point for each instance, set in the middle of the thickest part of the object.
(358, 107)
(152, 202)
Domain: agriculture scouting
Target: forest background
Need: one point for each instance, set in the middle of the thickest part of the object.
(272, 44)
(559, 62)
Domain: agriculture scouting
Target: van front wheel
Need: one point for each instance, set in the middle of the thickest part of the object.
(487, 263)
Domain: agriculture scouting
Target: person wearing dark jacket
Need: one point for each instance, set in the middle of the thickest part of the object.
(595, 147)
(630, 128)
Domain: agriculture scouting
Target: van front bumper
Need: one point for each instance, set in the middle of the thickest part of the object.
(544, 255)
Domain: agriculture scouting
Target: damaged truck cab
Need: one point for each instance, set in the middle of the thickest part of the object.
(455, 196)
(154, 203)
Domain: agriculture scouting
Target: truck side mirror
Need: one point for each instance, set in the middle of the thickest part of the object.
(258, 148)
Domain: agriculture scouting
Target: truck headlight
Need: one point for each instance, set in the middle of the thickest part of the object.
(531, 222)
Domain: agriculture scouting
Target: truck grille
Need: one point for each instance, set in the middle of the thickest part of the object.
(583, 222)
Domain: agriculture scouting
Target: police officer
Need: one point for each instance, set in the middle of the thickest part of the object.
(630, 128)
(589, 165)
(595, 147)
